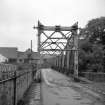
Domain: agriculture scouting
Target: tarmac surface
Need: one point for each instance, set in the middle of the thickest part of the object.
(58, 89)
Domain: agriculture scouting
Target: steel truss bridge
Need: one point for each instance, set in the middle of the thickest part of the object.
(61, 42)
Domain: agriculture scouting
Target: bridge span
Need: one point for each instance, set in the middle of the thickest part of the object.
(57, 89)
(62, 85)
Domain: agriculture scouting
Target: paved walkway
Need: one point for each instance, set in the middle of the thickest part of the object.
(57, 89)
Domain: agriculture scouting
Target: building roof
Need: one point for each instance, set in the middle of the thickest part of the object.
(35, 55)
(9, 52)
(21, 55)
(24, 55)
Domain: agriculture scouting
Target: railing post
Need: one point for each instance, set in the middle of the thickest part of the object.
(14, 82)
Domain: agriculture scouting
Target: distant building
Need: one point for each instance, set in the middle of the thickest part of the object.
(28, 56)
(3, 59)
(35, 57)
(21, 57)
(12, 55)
(9, 53)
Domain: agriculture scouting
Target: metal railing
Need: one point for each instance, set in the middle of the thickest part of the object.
(11, 86)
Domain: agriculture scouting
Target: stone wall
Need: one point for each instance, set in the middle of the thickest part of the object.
(13, 83)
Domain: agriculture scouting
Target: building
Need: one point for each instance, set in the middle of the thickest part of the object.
(3, 59)
(9, 53)
(27, 56)
(12, 55)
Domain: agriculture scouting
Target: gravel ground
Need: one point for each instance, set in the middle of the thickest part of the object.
(96, 86)
(99, 87)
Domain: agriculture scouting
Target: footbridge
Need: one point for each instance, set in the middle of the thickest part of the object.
(58, 69)
(60, 44)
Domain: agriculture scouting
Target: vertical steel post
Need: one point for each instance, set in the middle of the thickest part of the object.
(39, 34)
(75, 51)
(63, 61)
(68, 60)
(39, 50)
(39, 42)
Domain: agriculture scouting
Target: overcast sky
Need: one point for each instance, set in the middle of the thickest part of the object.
(17, 17)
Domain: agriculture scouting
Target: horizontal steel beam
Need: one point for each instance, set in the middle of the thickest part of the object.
(58, 49)
(53, 28)
(56, 42)
(58, 38)
(56, 28)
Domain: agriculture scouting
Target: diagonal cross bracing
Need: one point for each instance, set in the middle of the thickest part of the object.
(61, 40)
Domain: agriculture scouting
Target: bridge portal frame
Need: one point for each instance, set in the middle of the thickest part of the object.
(71, 43)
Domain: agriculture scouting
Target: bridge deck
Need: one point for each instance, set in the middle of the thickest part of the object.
(57, 89)
(32, 97)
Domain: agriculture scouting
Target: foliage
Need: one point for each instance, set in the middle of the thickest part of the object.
(90, 56)
(95, 30)
(92, 46)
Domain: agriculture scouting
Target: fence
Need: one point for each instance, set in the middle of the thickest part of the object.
(13, 83)
(97, 77)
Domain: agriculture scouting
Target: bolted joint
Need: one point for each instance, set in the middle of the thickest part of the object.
(75, 27)
(53, 43)
(40, 27)
(57, 28)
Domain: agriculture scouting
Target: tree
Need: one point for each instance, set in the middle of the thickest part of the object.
(95, 30)
(92, 46)
(90, 56)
